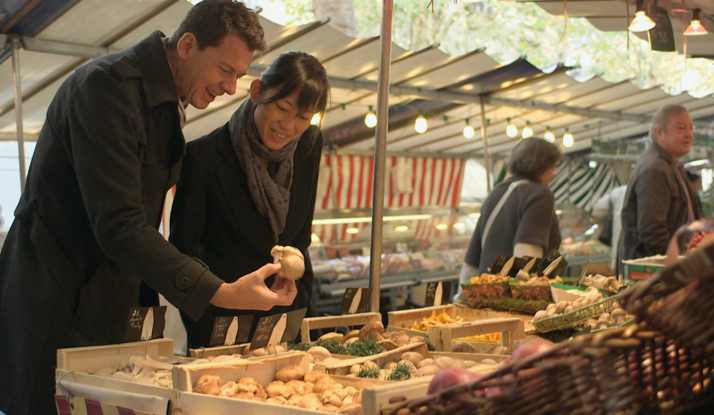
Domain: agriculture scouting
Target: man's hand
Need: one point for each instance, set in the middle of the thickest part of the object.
(251, 293)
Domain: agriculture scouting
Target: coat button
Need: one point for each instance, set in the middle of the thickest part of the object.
(185, 280)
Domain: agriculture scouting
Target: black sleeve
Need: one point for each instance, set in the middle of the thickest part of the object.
(103, 118)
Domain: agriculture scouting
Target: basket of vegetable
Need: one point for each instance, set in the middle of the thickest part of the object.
(568, 314)
(487, 286)
(533, 289)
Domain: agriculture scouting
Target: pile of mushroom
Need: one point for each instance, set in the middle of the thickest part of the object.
(419, 365)
(374, 331)
(245, 353)
(291, 260)
(140, 369)
(564, 307)
(293, 386)
(614, 318)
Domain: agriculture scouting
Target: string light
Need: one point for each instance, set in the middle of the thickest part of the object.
(592, 164)
(511, 129)
(370, 120)
(549, 136)
(459, 225)
(469, 131)
(420, 125)
(442, 227)
(315, 119)
(568, 139)
(401, 228)
(695, 27)
(352, 231)
(641, 22)
(527, 131)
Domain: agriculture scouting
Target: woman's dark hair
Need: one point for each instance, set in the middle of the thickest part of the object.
(301, 72)
(211, 20)
(532, 157)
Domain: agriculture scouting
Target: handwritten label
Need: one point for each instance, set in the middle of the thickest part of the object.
(436, 292)
(278, 328)
(355, 300)
(553, 264)
(661, 37)
(499, 263)
(230, 330)
(145, 323)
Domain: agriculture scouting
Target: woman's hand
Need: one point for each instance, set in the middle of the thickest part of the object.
(250, 292)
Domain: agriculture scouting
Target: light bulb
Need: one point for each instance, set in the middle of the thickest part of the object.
(511, 130)
(401, 228)
(370, 120)
(549, 136)
(420, 125)
(314, 238)
(641, 22)
(442, 227)
(527, 132)
(568, 140)
(459, 225)
(352, 231)
(469, 132)
(592, 164)
(695, 27)
(315, 119)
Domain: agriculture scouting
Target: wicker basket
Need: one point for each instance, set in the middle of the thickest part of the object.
(626, 370)
(575, 317)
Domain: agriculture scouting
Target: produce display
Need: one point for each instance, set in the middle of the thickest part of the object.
(536, 288)
(435, 320)
(144, 370)
(415, 365)
(368, 341)
(616, 317)
(487, 286)
(293, 386)
(601, 282)
(564, 307)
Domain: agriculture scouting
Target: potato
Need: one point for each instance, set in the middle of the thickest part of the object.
(427, 371)
(290, 372)
(413, 357)
(425, 362)
(463, 347)
(314, 376)
(444, 362)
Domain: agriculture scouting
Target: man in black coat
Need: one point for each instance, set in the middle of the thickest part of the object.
(659, 197)
(85, 231)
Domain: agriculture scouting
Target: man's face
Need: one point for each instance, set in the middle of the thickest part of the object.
(203, 75)
(678, 136)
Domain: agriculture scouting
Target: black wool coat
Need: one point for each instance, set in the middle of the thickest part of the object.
(85, 230)
(215, 219)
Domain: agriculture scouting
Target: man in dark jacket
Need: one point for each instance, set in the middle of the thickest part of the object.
(85, 230)
(659, 197)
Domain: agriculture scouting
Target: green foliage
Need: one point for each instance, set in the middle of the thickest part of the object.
(368, 373)
(303, 347)
(509, 304)
(366, 348)
(401, 372)
(430, 347)
(512, 29)
(332, 346)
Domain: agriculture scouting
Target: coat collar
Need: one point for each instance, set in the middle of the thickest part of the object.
(150, 60)
(662, 153)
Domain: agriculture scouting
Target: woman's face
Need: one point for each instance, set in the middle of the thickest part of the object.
(279, 122)
(548, 176)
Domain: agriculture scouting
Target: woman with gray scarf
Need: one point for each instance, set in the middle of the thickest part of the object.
(251, 184)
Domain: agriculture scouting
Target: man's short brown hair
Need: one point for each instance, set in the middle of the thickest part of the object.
(211, 20)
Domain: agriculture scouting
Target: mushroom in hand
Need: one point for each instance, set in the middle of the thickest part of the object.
(291, 260)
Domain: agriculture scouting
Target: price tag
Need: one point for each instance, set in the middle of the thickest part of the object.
(531, 264)
(436, 292)
(355, 300)
(498, 265)
(661, 37)
(230, 330)
(552, 265)
(278, 328)
(145, 323)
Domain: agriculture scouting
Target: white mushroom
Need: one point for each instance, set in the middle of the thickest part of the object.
(291, 260)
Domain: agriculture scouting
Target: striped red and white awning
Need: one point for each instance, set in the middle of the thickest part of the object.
(346, 183)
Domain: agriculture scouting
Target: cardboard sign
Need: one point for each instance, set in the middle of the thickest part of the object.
(531, 264)
(661, 37)
(230, 330)
(552, 265)
(146, 323)
(355, 300)
(276, 329)
(436, 292)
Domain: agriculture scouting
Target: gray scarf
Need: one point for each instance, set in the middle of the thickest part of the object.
(269, 186)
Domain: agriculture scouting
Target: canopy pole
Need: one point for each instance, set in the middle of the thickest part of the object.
(380, 150)
(486, 157)
(18, 109)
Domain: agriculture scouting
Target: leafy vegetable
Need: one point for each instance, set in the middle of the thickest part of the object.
(509, 304)
(368, 373)
(401, 372)
(333, 346)
(303, 347)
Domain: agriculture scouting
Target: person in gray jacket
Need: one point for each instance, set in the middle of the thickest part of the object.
(659, 197)
(85, 231)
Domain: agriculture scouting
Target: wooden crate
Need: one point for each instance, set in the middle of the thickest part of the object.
(314, 323)
(72, 362)
(216, 351)
(343, 367)
(510, 328)
(474, 357)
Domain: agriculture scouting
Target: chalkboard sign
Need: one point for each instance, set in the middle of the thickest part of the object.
(661, 37)
(230, 330)
(355, 300)
(531, 264)
(553, 264)
(276, 329)
(145, 323)
(436, 292)
(499, 263)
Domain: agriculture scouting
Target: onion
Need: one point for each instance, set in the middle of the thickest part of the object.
(450, 377)
(530, 348)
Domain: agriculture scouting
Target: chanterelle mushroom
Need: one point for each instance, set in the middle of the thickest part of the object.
(291, 261)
